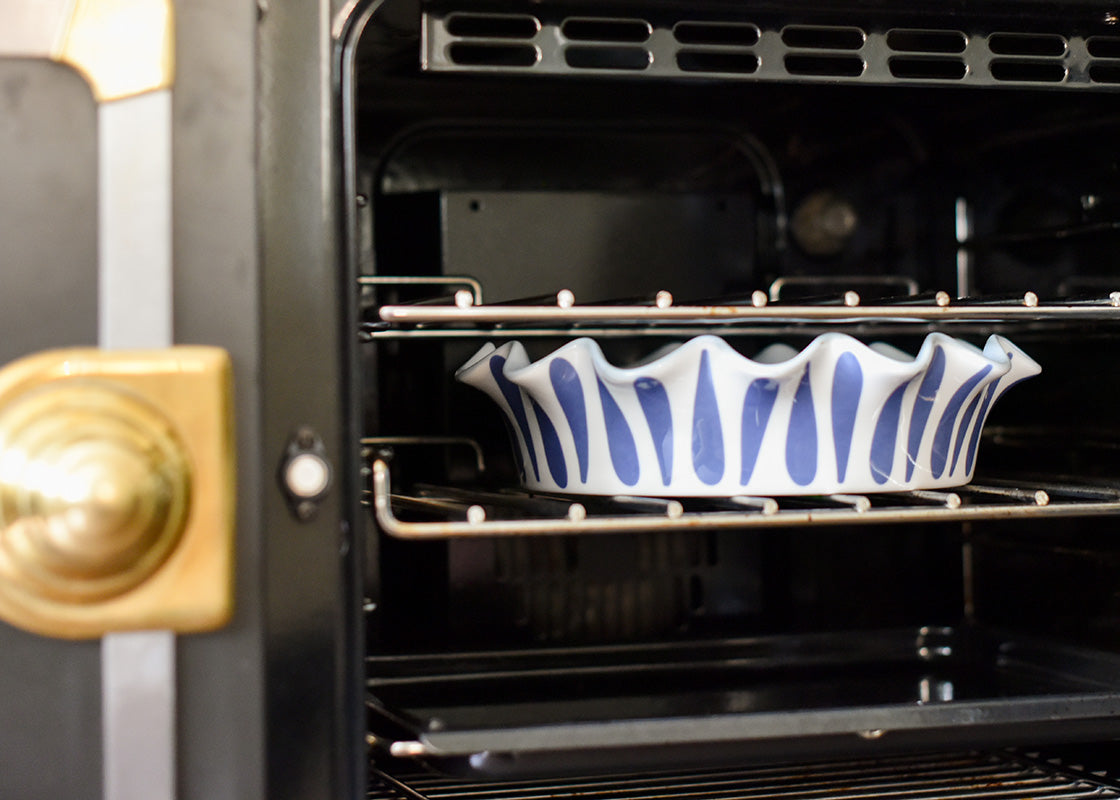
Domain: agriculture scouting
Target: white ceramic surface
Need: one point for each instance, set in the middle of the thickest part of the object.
(703, 420)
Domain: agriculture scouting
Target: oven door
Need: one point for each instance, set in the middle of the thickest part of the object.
(124, 670)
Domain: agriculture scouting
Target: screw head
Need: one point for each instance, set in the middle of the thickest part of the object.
(307, 475)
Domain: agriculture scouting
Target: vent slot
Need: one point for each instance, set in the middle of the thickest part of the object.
(1027, 44)
(825, 66)
(1105, 73)
(493, 26)
(1028, 71)
(921, 41)
(913, 68)
(606, 30)
(719, 33)
(729, 48)
(716, 61)
(816, 37)
(476, 54)
(617, 58)
(1104, 46)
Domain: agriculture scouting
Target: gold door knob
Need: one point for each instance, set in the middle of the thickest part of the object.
(94, 490)
(116, 491)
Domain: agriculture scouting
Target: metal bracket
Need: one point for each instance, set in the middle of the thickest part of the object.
(305, 473)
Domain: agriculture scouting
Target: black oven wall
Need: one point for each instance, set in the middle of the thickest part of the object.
(216, 181)
(311, 595)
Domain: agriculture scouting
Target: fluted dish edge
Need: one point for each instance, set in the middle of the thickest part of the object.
(839, 416)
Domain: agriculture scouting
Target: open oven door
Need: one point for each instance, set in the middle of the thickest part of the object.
(116, 453)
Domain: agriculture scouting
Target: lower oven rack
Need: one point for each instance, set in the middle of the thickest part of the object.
(453, 512)
(956, 776)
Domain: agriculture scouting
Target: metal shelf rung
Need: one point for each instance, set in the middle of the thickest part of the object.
(466, 515)
(1027, 308)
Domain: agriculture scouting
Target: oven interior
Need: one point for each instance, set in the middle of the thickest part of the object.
(878, 632)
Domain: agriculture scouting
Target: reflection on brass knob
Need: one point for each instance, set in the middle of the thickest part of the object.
(94, 491)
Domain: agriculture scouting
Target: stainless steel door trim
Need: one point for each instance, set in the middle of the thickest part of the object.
(134, 147)
(138, 715)
(138, 678)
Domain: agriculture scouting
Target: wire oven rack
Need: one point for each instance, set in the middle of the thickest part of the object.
(455, 512)
(951, 776)
(463, 314)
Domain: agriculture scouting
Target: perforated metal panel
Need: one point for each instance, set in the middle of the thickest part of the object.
(1067, 55)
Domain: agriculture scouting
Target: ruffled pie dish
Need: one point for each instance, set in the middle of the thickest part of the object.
(702, 420)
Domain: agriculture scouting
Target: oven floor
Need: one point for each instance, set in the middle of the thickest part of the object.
(518, 706)
(976, 776)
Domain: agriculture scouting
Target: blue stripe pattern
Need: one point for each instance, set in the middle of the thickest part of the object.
(963, 429)
(944, 432)
(757, 406)
(801, 439)
(923, 403)
(707, 432)
(512, 395)
(620, 441)
(992, 393)
(655, 405)
(569, 392)
(974, 440)
(554, 455)
(847, 384)
(957, 430)
(886, 431)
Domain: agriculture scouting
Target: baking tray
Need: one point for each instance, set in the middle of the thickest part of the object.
(523, 712)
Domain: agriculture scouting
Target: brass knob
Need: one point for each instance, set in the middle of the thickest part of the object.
(94, 491)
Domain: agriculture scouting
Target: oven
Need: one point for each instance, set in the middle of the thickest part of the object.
(736, 512)
(642, 174)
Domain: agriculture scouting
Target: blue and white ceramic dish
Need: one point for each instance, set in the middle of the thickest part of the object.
(703, 420)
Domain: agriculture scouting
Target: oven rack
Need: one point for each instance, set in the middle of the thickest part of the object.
(463, 315)
(963, 776)
(449, 512)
